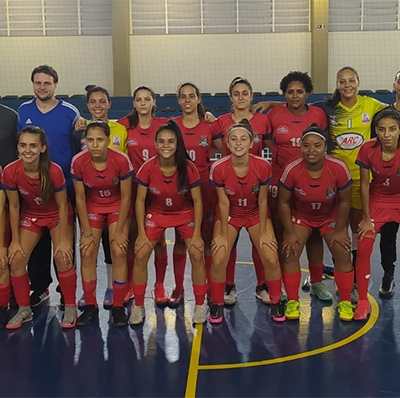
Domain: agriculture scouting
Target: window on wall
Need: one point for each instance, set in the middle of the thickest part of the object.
(356, 15)
(55, 17)
(219, 16)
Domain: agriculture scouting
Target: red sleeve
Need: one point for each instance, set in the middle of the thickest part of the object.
(124, 121)
(125, 167)
(265, 172)
(362, 157)
(287, 179)
(193, 175)
(216, 175)
(57, 177)
(76, 167)
(143, 175)
(343, 175)
(268, 126)
(9, 178)
(215, 130)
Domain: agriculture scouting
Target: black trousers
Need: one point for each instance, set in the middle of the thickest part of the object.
(388, 245)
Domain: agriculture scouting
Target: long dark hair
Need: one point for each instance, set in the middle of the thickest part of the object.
(200, 107)
(133, 116)
(334, 99)
(181, 156)
(46, 185)
(388, 113)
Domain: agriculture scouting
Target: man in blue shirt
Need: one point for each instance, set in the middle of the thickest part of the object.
(57, 118)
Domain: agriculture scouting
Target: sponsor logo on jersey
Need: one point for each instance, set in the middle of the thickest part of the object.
(203, 140)
(300, 191)
(255, 187)
(349, 141)
(191, 224)
(282, 130)
(88, 185)
(23, 192)
(92, 216)
(28, 121)
(375, 170)
(182, 191)
(229, 192)
(256, 137)
(115, 180)
(83, 143)
(116, 141)
(132, 143)
(25, 223)
(332, 224)
(154, 190)
(149, 223)
(330, 192)
(365, 118)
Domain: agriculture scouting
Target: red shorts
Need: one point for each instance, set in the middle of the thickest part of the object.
(210, 201)
(103, 220)
(36, 225)
(324, 227)
(156, 224)
(239, 223)
(381, 216)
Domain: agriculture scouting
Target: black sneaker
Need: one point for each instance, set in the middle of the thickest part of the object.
(386, 289)
(89, 314)
(278, 312)
(61, 306)
(4, 317)
(38, 297)
(216, 313)
(119, 317)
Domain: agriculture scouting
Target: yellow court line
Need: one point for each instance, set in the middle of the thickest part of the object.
(194, 363)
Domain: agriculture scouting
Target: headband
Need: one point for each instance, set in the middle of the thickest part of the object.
(240, 126)
(315, 133)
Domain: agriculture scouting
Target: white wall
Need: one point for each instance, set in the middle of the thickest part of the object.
(212, 61)
(375, 55)
(79, 60)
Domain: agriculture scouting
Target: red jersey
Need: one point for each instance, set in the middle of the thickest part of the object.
(141, 145)
(241, 191)
(15, 179)
(102, 188)
(315, 199)
(384, 190)
(285, 131)
(259, 125)
(198, 141)
(164, 195)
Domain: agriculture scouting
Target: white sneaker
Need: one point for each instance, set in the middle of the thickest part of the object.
(262, 293)
(200, 314)
(23, 315)
(137, 315)
(230, 295)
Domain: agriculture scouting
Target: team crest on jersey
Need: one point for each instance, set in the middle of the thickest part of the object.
(256, 137)
(229, 192)
(132, 143)
(116, 141)
(333, 121)
(182, 191)
(282, 129)
(330, 192)
(349, 141)
(300, 191)
(83, 143)
(115, 180)
(255, 188)
(154, 190)
(203, 140)
(365, 118)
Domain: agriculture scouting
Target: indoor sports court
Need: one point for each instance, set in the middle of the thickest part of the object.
(122, 44)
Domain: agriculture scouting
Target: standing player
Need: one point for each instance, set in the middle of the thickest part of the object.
(241, 95)
(200, 138)
(102, 181)
(172, 181)
(98, 101)
(57, 118)
(241, 180)
(380, 199)
(142, 126)
(36, 190)
(5, 286)
(315, 195)
(286, 125)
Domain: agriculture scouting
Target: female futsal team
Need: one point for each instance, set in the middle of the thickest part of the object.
(136, 178)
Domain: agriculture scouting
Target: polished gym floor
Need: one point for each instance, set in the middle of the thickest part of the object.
(248, 355)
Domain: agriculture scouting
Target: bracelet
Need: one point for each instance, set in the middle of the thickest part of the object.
(83, 235)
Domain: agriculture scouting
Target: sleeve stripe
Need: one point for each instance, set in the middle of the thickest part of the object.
(195, 184)
(290, 167)
(281, 184)
(59, 189)
(130, 174)
(345, 186)
(141, 182)
(361, 164)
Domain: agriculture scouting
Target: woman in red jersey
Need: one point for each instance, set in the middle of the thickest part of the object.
(36, 190)
(200, 138)
(380, 198)
(314, 195)
(172, 182)
(142, 126)
(241, 180)
(241, 95)
(286, 124)
(102, 183)
(5, 285)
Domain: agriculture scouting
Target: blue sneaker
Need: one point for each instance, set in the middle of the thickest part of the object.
(108, 299)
